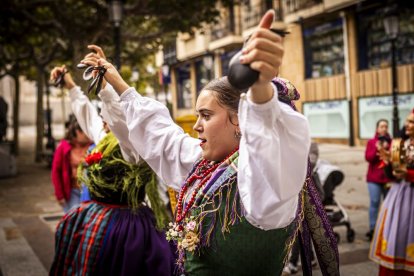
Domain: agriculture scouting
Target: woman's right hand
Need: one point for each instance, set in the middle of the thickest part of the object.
(399, 173)
(111, 75)
(69, 83)
(384, 155)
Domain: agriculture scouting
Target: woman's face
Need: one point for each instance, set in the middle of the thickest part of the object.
(409, 125)
(81, 138)
(215, 130)
(382, 128)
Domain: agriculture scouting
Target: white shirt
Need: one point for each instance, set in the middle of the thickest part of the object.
(86, 115)
(92, 124)
(272, 157)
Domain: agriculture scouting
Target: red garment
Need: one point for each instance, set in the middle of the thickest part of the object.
(61, 171)
(376, 172)
(383, 271)
(64, 166)
(410, 175)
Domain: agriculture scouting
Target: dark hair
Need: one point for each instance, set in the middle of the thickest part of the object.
(226, 95)
(382, 120)
(72, 127)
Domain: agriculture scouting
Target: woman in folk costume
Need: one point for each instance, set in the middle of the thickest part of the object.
(392, 246)
(115, 233)
(239, 182)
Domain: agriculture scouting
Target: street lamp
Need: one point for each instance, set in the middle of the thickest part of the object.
(115, 16)
(391, 25)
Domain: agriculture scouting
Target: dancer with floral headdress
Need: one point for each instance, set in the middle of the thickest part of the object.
(392, 246)
(116, 233)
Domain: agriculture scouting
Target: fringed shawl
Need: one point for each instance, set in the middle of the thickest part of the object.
(313, 222)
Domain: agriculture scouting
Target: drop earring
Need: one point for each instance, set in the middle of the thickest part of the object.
(237, 134)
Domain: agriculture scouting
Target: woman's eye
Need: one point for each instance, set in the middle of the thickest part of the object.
(205, 116)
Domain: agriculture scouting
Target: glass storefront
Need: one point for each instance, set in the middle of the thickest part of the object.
(225, 59)
(328, 119)
(183, 86)
(371, 109)
(204, 71)
(324, 49)
(373, 43)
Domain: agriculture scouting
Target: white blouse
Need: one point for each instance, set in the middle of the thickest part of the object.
(86, 115)
(92, 124)
(272, 157)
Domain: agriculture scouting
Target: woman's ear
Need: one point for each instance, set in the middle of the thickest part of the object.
(234, 119)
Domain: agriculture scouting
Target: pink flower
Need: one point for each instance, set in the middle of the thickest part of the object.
(190, 226)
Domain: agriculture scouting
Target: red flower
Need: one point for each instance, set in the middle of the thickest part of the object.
(93, 158)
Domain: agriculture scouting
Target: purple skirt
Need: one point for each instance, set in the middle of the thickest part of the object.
(100, 239)
(393, 242)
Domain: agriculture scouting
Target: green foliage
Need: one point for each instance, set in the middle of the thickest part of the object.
(68, 26)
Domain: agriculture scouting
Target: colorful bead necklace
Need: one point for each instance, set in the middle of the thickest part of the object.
(203, 171)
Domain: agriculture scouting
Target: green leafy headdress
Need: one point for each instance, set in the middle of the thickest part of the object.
(108, 176)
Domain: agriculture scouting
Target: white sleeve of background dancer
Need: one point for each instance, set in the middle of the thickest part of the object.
(153, 134)
(86, 115)
(272, 162)
(115, 118)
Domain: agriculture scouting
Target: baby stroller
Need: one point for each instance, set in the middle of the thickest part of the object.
(330, 177)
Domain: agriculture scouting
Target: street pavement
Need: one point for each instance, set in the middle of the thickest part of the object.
(29, 212)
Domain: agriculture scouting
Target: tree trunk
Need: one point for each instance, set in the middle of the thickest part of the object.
(16, 104)
(39, 116)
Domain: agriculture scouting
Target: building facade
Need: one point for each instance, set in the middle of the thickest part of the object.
(337, 54)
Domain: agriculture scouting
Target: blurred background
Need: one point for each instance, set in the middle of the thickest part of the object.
(351, 60)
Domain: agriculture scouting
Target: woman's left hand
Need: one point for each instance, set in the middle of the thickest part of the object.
(399, 173)
(264, 52)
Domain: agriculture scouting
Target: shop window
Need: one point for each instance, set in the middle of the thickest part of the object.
(374, 45)
(204, 71)
(324, 49)
(225, 59)
(183, 86)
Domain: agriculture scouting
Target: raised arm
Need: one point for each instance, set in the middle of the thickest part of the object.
(115, 118)
(157, 139)
(147, 125)
(275, 139)
(273, 161)
(84, 111)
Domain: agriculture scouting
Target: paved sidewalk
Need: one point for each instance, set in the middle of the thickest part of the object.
(29, 212)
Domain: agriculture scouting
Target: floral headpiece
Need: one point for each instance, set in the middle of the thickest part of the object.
(108, 176)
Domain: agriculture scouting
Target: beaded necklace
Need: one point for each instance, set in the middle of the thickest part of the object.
(203, 171)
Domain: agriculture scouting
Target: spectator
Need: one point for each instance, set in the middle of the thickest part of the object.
(393, 241)
(69, 154)
(376, 179)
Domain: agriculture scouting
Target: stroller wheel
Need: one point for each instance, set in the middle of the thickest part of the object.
(350, 235)
(338, 238)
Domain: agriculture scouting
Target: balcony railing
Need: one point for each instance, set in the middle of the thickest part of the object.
(292, 6)
(253, 14)
(170, 54)
(223, 29)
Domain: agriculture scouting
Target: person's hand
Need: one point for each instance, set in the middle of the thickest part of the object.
(93, 57)
(264, 53)
(69, 83)
(384, 155)
(111, 75)
(400, 173)
(61, 202)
